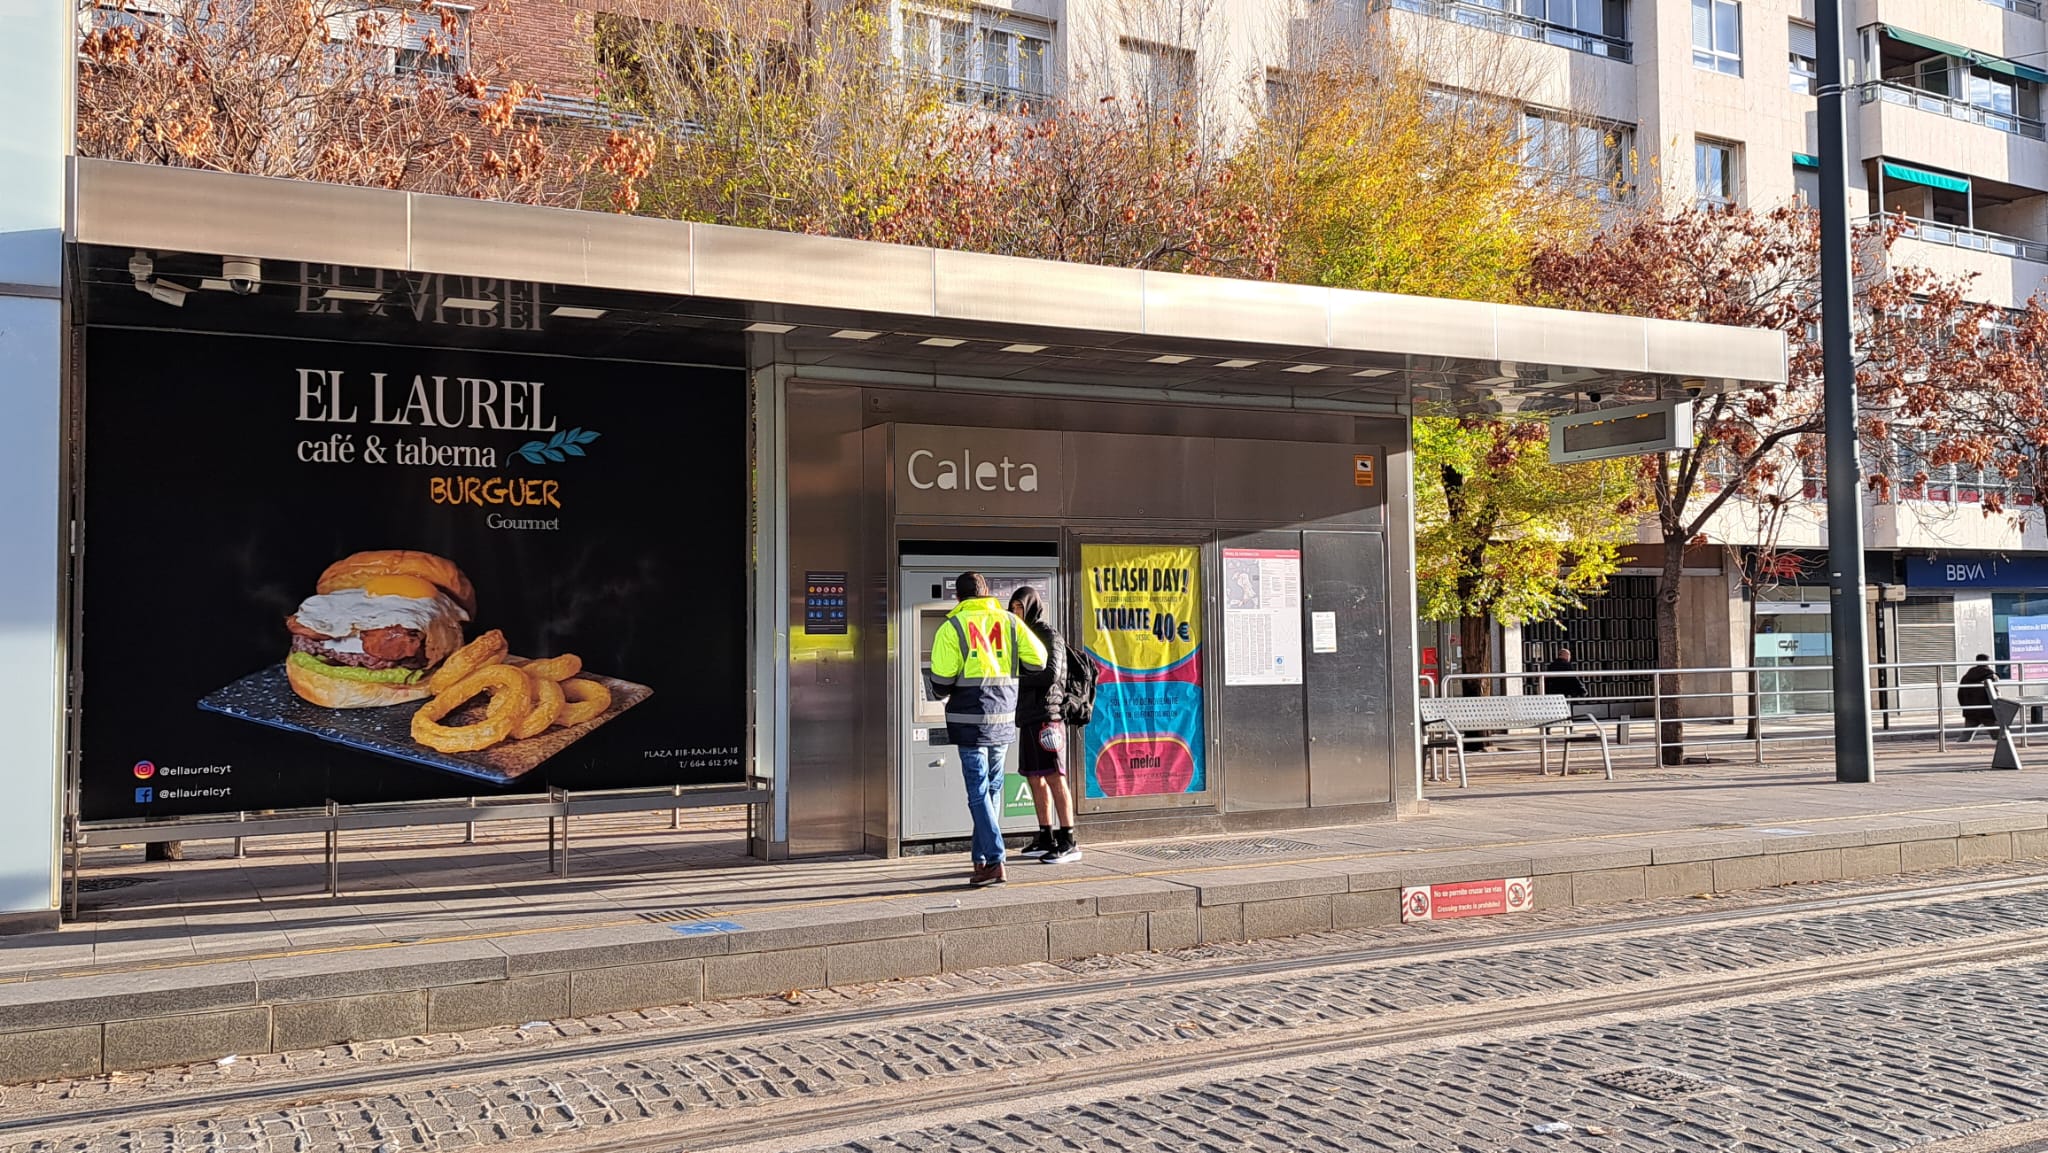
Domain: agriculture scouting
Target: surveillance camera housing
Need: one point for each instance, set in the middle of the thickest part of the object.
(244, 274)
(1593, 397)
(141, 267)
(1693, 391)
(171, 294)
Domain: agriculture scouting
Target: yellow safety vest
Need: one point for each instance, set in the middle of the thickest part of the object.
(976, 660)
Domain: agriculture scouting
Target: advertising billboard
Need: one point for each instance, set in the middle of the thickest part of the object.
(318, 570)
(1141, 613)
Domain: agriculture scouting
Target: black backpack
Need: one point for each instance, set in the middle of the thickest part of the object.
(1079, 703)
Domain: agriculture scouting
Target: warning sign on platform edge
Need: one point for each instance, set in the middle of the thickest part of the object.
(1466, 899)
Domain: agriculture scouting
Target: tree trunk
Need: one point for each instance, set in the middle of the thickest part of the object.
(1475, 639)
(1671, 730)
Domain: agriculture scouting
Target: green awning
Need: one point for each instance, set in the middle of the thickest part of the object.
(1921, 176)
(1929, 43)
(1802, 160)
(1983, 60)
(2006, 67)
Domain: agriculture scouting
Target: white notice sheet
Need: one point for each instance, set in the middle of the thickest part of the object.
(1261, 616)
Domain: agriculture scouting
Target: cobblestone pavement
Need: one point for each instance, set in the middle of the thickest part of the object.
(1875, 1068)
(558, 1083)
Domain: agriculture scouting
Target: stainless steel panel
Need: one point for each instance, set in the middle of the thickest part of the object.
(1415, 325)
(1714, 352)
(1262, 735)
(960, 471)
(550, 245)
(1288, 484)
(827, 798)
(1012, 290)
(1154, 477)
(451, 236)
(1580, 339)
(876, 752)
(781, 268)
(183, 209)
(1216, 308)
(1350, 752)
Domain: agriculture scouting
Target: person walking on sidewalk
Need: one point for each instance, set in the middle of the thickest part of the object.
(1974, 694)
(1043, 737)
(977, 658)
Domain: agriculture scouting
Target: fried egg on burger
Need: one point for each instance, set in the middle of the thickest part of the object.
(377, 626)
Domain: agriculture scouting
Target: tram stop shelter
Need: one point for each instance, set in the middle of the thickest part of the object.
(734, 472)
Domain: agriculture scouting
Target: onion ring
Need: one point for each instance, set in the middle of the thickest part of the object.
(511, 699)
(559, 668)
(484, 651)
(547, 705)
(587, 701)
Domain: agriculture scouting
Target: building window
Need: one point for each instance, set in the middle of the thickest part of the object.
(1600, 19)
(1805, 184)
(431, 41)
(1586, 158)
(1714, 172)
(1717, 35)
(1162, 76)
(978, 56)
(1805, 56)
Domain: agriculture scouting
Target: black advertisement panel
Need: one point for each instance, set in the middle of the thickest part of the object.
(318, 570)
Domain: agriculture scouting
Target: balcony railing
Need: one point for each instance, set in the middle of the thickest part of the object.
(1894, 93)
(1976, 239)
(962, 90)
(2023, 7)
(1479, 15)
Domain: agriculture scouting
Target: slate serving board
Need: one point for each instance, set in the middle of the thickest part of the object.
(266, 698)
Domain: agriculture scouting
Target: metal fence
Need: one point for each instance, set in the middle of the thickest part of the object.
(1747, 713)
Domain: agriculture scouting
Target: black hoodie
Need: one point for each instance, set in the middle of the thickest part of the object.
(1042, 692)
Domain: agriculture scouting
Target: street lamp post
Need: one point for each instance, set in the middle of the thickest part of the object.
(1853, 760)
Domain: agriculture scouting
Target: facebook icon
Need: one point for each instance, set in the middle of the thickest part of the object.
(145, 795)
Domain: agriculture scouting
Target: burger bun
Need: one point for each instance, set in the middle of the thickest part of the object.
(359, 569)
(340, 693)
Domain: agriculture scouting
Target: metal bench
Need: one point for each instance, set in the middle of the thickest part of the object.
(1447, 721)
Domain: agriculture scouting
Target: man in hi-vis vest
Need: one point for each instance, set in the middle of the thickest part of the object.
(976, 659)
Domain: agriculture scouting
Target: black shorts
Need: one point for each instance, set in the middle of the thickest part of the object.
(1034, 759)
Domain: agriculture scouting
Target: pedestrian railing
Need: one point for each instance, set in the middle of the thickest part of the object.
(1757, 712)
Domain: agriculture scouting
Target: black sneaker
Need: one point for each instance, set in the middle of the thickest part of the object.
(1064, 853)
(1041, 843)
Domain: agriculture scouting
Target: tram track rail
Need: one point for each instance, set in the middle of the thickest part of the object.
(838, 1112)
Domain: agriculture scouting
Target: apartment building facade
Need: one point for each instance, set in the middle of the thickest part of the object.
(1684, 101)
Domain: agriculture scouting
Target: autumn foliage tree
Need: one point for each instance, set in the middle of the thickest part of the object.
(328, 90)
(1933, 368)
(1502, 535)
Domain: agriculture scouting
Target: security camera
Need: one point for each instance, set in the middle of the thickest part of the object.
(1693, 388)
(164, 291)
(244, 274)
(141, 267)
(1594, 397)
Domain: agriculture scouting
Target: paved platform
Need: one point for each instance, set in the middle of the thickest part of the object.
(187, 961)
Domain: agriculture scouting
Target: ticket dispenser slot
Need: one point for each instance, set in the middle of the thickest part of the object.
(934, 799)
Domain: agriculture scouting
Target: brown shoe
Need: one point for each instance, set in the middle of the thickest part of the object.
(986, 875)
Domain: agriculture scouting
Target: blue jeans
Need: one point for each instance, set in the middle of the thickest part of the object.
(981, 768)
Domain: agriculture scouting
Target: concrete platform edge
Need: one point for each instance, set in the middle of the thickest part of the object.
(407, 990)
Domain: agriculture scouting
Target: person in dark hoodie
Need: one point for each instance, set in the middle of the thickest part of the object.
(1042, 734)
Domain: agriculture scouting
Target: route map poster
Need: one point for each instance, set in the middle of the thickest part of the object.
(1141, 609)
(362, 572)
(1261, 616)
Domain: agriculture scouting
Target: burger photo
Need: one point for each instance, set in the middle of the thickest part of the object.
(377, 627)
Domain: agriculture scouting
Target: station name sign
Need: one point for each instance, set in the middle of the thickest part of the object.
(982, 471)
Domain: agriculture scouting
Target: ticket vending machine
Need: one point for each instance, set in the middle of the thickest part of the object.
(934, 801)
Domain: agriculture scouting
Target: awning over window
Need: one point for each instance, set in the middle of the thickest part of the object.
(1921, 176)
(2006, 67)
(1983, 60)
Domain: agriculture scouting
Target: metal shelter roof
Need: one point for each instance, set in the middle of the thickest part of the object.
(864, 305)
